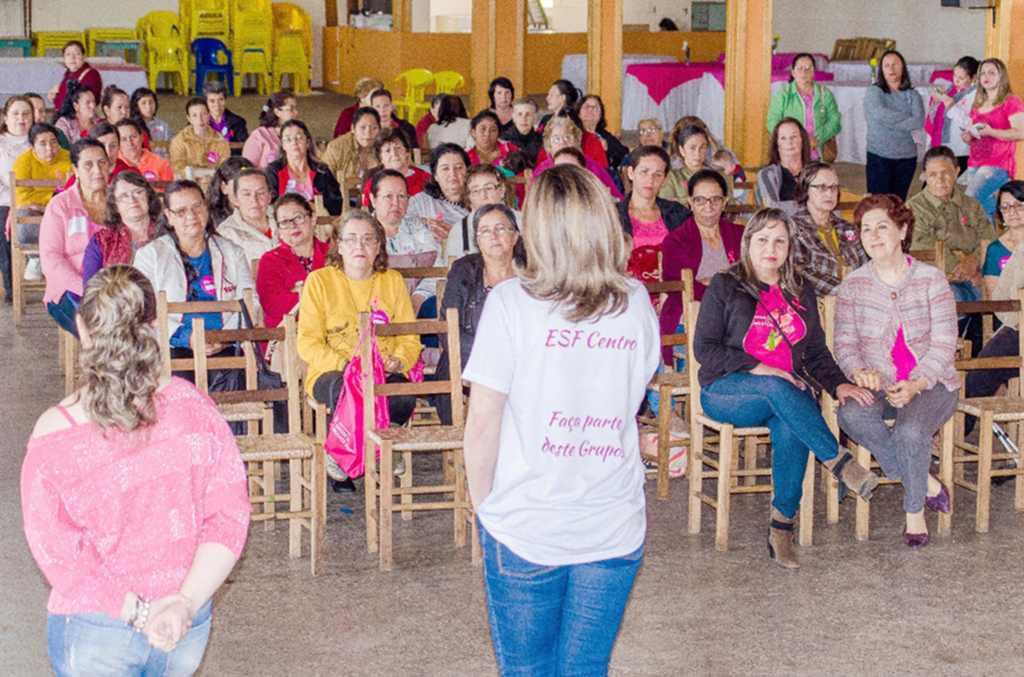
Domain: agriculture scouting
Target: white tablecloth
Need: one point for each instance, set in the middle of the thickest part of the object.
(574, 66)
(860, 71)
(38, 74)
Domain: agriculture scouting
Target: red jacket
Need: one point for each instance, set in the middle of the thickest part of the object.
(344, 123)
(88, 76)
(279, 271)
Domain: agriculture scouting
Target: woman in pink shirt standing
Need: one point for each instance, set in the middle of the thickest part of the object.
(896, 334)
(133, 497)
(69, 222)
(997, 125)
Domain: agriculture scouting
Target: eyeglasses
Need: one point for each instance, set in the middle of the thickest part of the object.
(493, 232)
(804, 68)
(288, 108)
(198, 209)
(486, 189)
(651, 131)
(566, 138)
(293, 139)
(826, 187)
(134, 195)
(298, 220)
(1012, 207)
(394, 197)
(714, 200)
(355, 240)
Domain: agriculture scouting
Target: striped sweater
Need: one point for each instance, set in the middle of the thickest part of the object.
(869, 313)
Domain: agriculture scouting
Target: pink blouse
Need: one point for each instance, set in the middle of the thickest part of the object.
(108, 515)
(648, 234)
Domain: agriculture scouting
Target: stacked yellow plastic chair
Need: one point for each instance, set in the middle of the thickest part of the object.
(448, 82)
(164, 49)
(293, 46)
(252, 42)
(413, 103)
(208, 19)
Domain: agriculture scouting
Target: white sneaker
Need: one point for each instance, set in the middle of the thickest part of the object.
(399, 463)
(33, 271)
(334, 470)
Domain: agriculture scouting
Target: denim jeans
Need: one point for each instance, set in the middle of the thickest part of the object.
(5, 253)
(96, 645)
(905, 452)
(790, 414)
(554, 621)
(983, 184)
(63, 312)
(890, 175)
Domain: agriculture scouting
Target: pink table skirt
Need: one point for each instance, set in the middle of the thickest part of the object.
(662, 78)
(942, 75)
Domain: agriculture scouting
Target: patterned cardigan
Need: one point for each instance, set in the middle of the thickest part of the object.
(815, 261)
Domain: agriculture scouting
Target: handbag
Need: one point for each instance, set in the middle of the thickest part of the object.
(829, 151)
(265, 378)
(346, 440)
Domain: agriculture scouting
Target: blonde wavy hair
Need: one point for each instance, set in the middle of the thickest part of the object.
(120, 360)
(575, 251)
(1002, 91)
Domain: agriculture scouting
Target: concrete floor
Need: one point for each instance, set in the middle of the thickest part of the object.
(871, 608)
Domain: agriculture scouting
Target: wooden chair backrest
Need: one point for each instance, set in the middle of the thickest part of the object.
(523, 179)
(682, 286)
(440, 272)
(452, 387)
(165, 309)
(690, 313)
(966, 364)
(936, 256)
(16, 220)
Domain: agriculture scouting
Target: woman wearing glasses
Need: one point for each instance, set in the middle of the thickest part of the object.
(810, 103)
(822, 239)
(284, 269)
(131, 221)
(192, 263)
(485, 185)
(355, 280)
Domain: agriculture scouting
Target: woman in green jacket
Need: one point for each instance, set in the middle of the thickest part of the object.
(809, 103)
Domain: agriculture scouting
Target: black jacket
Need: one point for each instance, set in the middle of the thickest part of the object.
(616, 151)
(725, 315)
(530, 143)
(407, 129)
(466, 293)
(672, 213)
(324, 184)
(238, 131)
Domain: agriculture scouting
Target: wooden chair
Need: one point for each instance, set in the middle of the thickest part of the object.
(989, 411)
(668, 385)
(935, 256)
(862, 455)
(722, 461)
(844, 50)
(425, 413)
(383, 499)
(305, 498)
(20, 287)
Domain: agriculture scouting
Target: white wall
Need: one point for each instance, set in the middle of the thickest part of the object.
(62, 15)
(923, 30)
(570, 16)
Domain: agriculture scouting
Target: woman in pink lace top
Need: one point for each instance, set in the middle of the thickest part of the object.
(133, 496)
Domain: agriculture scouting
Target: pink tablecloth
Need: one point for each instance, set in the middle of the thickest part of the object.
(661, 78)
(942, 75)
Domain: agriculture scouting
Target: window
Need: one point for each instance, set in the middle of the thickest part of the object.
(708, 16)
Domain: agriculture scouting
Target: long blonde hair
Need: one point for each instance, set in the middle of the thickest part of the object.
(574, 247)
(120, 362)
(1002, 91)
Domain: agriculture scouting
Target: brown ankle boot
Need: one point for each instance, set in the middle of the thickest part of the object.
(856, 477)
(780, 541)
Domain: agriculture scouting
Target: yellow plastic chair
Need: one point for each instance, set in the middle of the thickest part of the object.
(290, 59)
(210, 19)
(448, 82)
(252, 42)
(290, 17)
(164, 49)
(416, 81)
(44, 40)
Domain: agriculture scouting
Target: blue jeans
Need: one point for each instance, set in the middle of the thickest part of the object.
(983, 184)
(792, 416)
(554, 621)
(63, 312)
(890, 175)
(87, 645)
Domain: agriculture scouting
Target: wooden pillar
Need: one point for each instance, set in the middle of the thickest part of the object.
(401, 16)
(1003, 23)
(604, 57)
(498, 46)
(748, 44)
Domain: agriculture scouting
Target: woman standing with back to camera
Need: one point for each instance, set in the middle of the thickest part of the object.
(552, 453)
(134, 498)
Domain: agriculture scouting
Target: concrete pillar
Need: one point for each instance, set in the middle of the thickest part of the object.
(604, 57)
(748, 46)
(498, 45)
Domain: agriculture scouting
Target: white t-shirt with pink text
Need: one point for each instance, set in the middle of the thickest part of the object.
(568, 486)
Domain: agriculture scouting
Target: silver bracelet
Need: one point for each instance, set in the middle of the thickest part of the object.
(140, 615)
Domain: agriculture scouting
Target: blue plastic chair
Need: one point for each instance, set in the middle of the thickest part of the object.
(207, 54)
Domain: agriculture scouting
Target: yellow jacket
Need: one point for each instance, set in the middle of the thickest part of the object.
(29, 166)
(188, 151)
(329, 319)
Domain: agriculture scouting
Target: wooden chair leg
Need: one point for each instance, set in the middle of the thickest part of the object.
(664, 440)
(318, 503)
(750, 459)
(372, 524)
(806, 533)
(984, 471)
(460, 498)
(477, 554)
(725, 461)
(1018, 484)
(863, 522)
(831, 496)
(405, 481)
(61, 350)
(946, 472)
(695, 474)
(387, 506)
(70, 362)
(295, 489)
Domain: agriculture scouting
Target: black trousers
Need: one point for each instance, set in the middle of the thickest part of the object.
(890, 176)
(327, 389)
